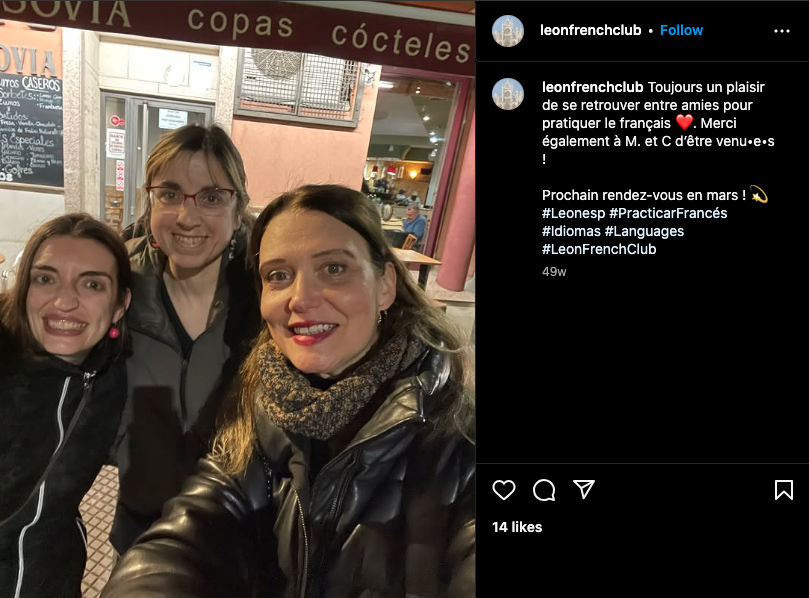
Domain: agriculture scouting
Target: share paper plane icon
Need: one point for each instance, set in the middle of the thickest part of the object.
(584, 486)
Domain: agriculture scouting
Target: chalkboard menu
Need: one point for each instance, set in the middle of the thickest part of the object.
(31, 130)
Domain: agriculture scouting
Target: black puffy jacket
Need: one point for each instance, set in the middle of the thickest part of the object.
(391, 515)
(57, 422)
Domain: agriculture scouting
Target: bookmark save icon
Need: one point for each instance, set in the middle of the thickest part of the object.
(584, 487)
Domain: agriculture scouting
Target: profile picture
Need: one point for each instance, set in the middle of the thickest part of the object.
(507, 94)
(507, 31)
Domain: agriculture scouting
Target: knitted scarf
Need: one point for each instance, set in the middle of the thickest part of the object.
(294, 405)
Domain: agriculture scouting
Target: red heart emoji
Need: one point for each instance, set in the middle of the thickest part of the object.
(684, 121)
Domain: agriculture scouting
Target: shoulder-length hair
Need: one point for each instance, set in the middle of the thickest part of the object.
(13, 312)
(411, 311)
(218, 148)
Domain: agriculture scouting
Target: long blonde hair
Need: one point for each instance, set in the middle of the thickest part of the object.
(411, 311)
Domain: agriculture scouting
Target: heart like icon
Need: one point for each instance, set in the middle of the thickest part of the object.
(503, 485)
(684, 121)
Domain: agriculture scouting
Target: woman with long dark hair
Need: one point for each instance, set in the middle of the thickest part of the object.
(345, 466)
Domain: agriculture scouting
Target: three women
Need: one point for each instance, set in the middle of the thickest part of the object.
(62, 335)
(344, 466)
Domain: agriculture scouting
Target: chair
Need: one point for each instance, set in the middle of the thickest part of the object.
(394, 237)
(409, 241)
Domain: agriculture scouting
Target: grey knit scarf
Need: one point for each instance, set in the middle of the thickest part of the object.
(294, 405)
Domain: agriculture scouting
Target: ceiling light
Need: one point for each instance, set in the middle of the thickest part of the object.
(433, 139)
(386, 85)
(426, 117)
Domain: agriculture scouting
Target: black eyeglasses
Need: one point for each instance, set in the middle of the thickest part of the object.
(211, 200)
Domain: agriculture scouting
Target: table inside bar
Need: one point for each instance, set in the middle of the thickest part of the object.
(408, 256)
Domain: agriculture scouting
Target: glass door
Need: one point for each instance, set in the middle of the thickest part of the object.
(131, 127)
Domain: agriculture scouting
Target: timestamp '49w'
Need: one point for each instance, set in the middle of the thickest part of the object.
(554, 271)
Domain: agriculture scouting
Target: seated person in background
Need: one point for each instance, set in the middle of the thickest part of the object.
(344, 466)
(401, 198)
(414, 222)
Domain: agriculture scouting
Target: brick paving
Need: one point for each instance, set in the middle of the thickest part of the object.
(97, 509)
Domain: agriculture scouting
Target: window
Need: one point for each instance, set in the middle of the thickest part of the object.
(287, 85)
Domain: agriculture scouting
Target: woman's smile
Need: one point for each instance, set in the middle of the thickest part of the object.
(311, 333)
(188, 241)
(63, 326)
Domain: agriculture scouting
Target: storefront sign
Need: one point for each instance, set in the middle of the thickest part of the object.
(119, 175)
(369, 37)
(116, 148)
(116, 121)
(31, 130)
(171, 119)
(15, 59)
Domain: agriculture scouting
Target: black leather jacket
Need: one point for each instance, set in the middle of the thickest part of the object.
(390, 515)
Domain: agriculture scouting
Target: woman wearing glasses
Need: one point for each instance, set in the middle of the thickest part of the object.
(193, 316)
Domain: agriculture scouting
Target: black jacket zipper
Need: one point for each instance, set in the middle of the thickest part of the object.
(329, 525)
(331, 521)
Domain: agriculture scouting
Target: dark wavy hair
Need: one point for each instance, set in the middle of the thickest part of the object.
(411, 311)
(13, 313)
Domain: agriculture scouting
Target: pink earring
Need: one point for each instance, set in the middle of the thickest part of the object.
(114, 332)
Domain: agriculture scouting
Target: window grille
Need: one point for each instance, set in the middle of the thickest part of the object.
(287, 85)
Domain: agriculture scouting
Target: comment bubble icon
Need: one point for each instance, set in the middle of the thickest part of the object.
(544, 490)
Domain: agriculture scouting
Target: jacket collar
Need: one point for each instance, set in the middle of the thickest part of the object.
(146, 313)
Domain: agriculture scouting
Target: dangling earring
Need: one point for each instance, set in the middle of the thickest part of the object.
(382, 313)
(150, 238)
(114, 332)
(232, 250)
